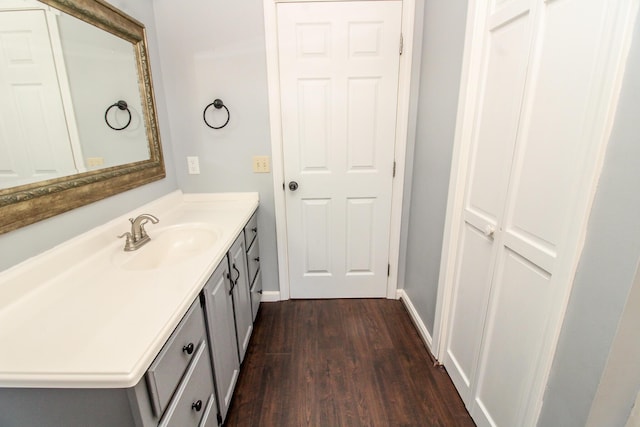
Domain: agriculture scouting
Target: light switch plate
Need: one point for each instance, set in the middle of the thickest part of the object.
(193, 165)
(261, 164)
(93, 162)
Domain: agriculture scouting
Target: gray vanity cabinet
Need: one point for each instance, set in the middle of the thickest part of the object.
(241, 296)
(191, 381)
(178, 388)
(222, 334)
(176, 391)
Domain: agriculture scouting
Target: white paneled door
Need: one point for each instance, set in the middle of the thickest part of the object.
(339, 66)
(35, 142)
(543, 100)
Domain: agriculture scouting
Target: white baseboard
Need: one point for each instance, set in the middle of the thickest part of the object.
(270, 296)
(417, 320)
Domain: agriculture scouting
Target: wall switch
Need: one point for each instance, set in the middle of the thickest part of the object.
(261, 164)
(193, 164)
(93, 162)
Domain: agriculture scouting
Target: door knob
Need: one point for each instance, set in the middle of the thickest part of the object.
(489, 230)
(293, 186)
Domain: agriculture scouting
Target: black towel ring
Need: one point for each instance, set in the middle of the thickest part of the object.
(218, 104)
(122, 105)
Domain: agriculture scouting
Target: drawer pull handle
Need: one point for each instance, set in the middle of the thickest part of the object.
(188, 348)
(197, 406)
(235, 282)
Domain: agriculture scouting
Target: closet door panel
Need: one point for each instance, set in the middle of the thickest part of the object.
(499, 100)
(469, 307)
(515, 330)
(554, 135)
(497, 121)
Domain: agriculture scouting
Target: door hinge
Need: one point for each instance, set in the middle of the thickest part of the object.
(394, 169)
(388, 270)
(401, 43)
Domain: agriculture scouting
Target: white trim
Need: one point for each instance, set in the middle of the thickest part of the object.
(416, 319)
(65, 88)
(402, 132)
(275, 120)
(471, 63)
(270, 296)
(411, 141)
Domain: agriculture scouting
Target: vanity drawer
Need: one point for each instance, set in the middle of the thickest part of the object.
(253, 260)
(256, 295)
(169, 366)
(251, 230)
(194, 395)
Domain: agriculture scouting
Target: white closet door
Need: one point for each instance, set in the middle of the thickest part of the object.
(545, 99)
(505, 59)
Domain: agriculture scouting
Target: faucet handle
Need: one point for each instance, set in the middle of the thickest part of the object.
(129, 243)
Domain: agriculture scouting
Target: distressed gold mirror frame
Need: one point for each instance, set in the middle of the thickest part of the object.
(26, 204)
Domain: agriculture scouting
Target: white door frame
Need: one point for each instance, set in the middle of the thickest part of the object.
(466, 115)
(275, 120)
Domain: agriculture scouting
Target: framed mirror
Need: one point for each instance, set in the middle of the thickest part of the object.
(79, 122)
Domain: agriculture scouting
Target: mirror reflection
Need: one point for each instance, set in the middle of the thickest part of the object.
(59, 76)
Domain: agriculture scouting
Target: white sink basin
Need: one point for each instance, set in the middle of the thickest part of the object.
(168, 246)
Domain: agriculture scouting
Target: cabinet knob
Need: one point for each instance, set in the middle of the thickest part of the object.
(197, 406)
(257, 259)
(188, 348)
(254, 229)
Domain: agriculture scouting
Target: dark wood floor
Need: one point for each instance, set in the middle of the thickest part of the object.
(341, 363)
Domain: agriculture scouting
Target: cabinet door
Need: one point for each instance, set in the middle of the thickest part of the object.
(222, 335)
(241, 295)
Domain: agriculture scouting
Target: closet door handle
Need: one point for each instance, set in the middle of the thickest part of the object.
(293, 186)
(489, 231)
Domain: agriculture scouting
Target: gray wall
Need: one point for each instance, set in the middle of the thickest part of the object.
(442, 49)
(216, 49)
(607, 266)
(21, 244)
(620, 383)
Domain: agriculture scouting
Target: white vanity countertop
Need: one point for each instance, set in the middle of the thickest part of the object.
(72, 317)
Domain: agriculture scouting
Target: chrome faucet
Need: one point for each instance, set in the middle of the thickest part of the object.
(138, 236)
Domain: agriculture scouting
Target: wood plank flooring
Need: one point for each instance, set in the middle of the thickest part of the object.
(341, 363)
